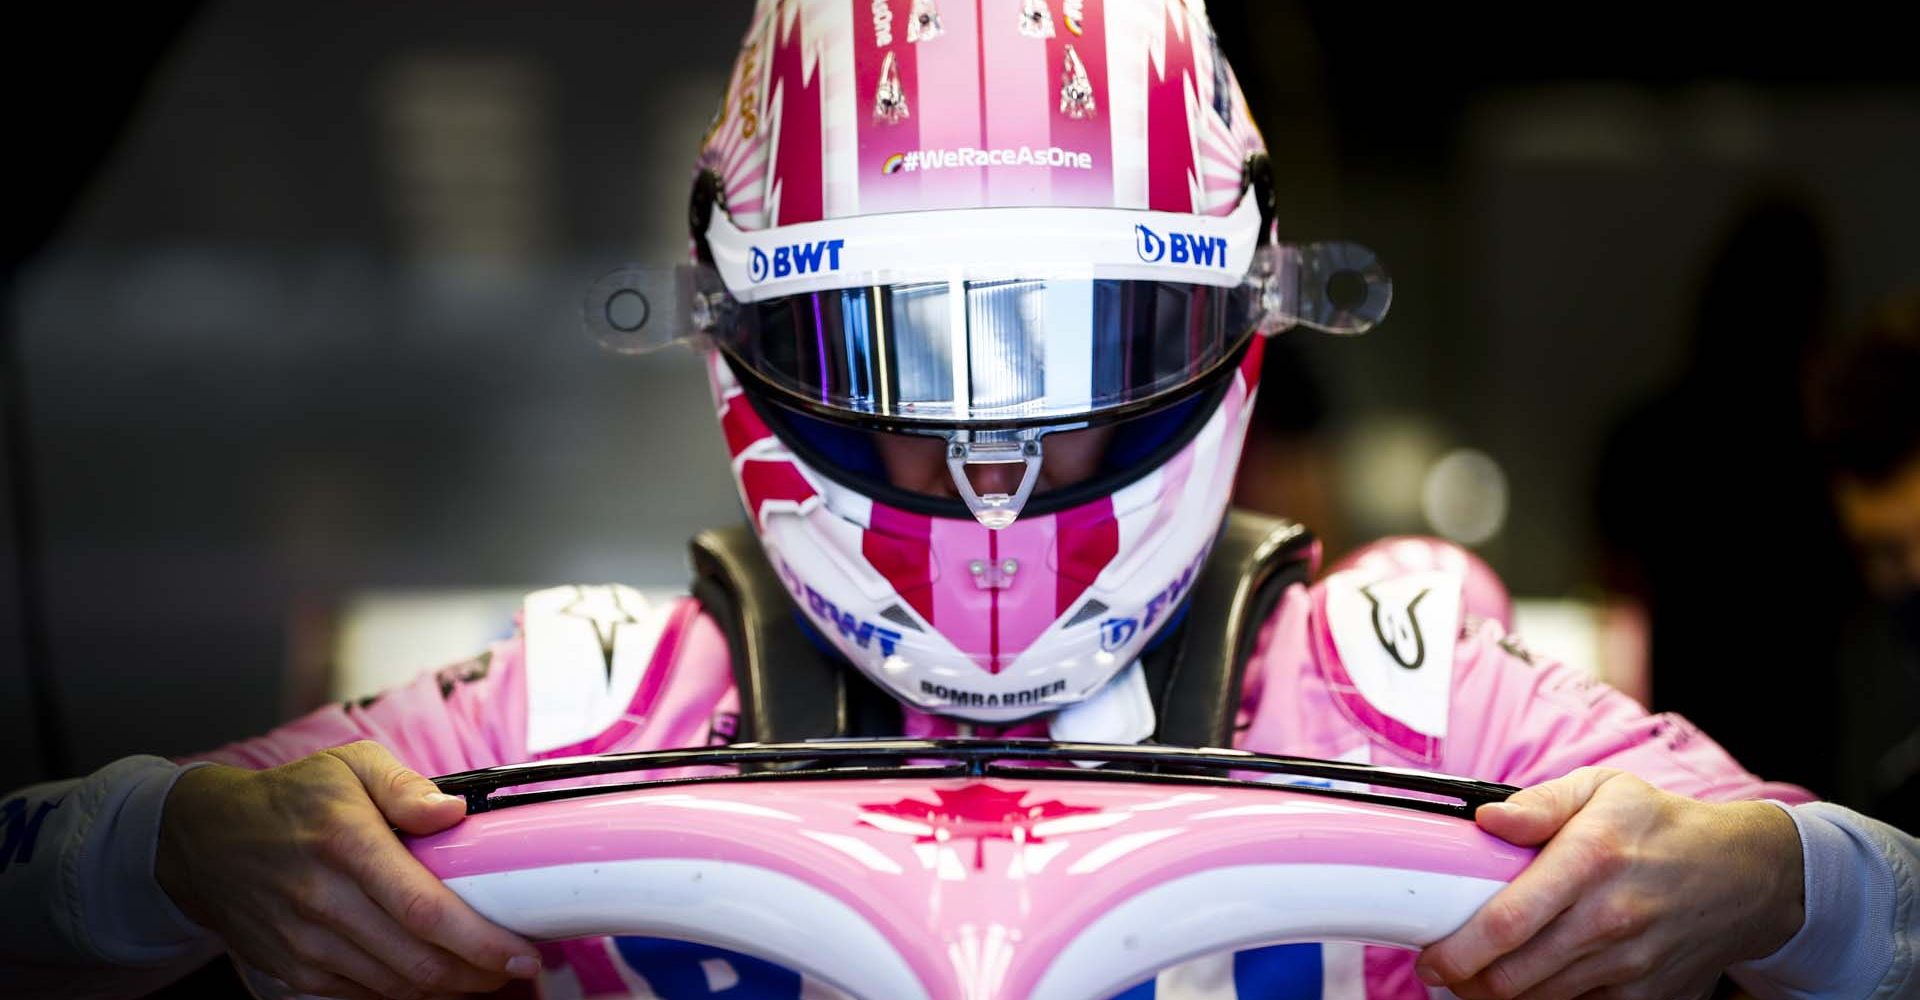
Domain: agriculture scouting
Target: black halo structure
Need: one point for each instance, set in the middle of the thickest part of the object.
(856, 759)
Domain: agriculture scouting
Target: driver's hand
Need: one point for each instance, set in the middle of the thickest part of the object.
(297, 869)
(1637, 895)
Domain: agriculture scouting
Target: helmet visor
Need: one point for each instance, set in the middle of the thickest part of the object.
(989, 353)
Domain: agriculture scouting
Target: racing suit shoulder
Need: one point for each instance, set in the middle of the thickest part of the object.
(1382, 637)
(605, 668)
(443, 720)
(586, 670)
(1535, 718)
(1403, 650)
(586, 649)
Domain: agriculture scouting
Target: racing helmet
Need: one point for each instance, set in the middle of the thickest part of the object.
(962, 238)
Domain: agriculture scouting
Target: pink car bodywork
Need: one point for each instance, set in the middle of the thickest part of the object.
(1045, 884)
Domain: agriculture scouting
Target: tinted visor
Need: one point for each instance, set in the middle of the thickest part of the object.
(1129, 449)
(980, 354)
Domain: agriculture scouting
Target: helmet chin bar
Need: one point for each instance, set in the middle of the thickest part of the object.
(964, 448)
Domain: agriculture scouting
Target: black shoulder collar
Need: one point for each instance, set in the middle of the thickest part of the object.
(789, 688)
(1195, 674)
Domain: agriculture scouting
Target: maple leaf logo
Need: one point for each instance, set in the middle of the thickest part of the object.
(979, 812)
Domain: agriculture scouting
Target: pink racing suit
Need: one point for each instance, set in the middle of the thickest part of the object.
(1395, 662)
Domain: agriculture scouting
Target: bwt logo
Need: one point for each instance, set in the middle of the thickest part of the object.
(796, 258)
(862, 633)
(1180, 248)
(1169, 596)
(1117, 632)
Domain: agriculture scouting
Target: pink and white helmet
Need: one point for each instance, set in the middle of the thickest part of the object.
(988, 229)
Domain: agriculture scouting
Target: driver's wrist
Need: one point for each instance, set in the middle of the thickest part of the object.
(172, 870)
(124, 917)
(1769, 839)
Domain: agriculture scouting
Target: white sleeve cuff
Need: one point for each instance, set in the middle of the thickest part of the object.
(125, 916)
(1859, 936)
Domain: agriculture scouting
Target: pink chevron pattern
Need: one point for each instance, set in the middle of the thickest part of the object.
(768, 476)
(1170, 113)
(1223, 130)
(1089, 538)
(898, 545)
(736, 144)
(798, 192)
(798, 137)
(1060, 554)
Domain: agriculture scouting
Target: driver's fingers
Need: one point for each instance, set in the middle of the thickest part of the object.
(1571, 936)
(425, 908)
(1594, 973)
(1554, 880)
(1631, 967)
(404, 797)
(426, 966)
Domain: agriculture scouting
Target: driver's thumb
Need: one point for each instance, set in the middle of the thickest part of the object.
(1532, 815)
(408, 800)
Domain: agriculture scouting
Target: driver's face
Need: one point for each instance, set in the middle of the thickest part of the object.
(918, 463)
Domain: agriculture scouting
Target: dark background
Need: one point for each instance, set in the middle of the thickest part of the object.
(292, 289)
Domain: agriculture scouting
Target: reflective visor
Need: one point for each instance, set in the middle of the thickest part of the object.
(990, 352)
